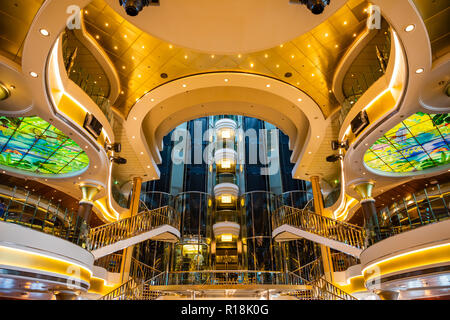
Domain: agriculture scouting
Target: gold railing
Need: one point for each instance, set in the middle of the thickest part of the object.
(110, 262)
(306, 220)
(141, 271)
(129, 227)
(126, 291)
(342, 261)
(324, 290)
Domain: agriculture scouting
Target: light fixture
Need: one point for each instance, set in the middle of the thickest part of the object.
(226, 80)
(315, 6)
(268, 85)
(410, 28)
(226, 164)
(226, 134)
(226, 199)
(34, 74)
(420, 70)
(299, 99)
(44, 32)
(184, 86)
(227, 237)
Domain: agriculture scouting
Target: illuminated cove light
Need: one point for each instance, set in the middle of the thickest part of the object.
(31, 144)
(418, 143)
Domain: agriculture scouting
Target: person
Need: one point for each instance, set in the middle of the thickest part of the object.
(2, 208)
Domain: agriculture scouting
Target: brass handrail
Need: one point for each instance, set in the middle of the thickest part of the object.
(306, 220)
(327, 291)
(129, 227)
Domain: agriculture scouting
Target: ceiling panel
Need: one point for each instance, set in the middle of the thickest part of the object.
(141, 59)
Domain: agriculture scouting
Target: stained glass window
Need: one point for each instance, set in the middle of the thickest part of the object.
(32, 144)
(418, 143)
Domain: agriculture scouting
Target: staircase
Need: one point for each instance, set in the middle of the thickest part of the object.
(290, 223)
(162, 224)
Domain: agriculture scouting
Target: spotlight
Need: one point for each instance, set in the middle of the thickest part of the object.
(334, 158)
(336, 145)
(315, 6)
(133, 7)
(119, 160)
(116, 147)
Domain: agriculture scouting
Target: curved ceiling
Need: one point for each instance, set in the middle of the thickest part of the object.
(33, 145)
(418, 143)
(227, 27)
(15, 20)
(145, 62)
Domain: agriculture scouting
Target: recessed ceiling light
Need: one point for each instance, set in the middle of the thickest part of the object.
(134, 118)
(12, 86)
(299, 99)
(410, 28)
(251, 65)
(309, 152)
(133, 137)
(318, 137)
(148, 167)
(312, 75)
(268, 85)
(125, 36)
(266, 55)
(345, 23)
(170, 46)
(97, 37)
(419, 71)
(184, 86)
(326, 34)
(226, 80)
(142, 153)
(33, 74)
(44, 32)
(239, 55)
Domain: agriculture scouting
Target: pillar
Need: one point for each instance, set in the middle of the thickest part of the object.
(364, 190)
(89, 191)
(134, 208)
(318, 207)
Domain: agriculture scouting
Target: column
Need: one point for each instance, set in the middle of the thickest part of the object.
(89, 192)
(364, 190)
(318, 207)
(134, 208)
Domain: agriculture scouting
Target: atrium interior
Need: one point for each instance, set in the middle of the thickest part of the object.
(211, 150)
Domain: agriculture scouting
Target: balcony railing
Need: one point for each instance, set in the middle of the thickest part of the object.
(85, 80)
(421, 208)
(306, 220)
(129, 227)
(24, 208)
(110, 262)
(342, 261)
(225, 277)
(370, 70)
